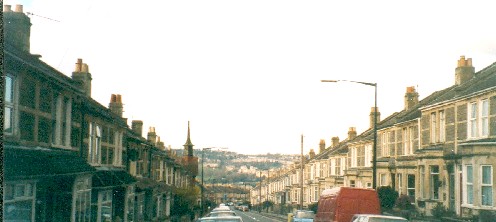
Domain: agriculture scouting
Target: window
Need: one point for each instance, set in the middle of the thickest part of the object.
(19, 201)
(130, 204)
(400, 183)
(368, 155)
(433, 128)
(478, 119)
(82, 207)
(315, 194)
(8, 121)
(487, 185)
(62, 123)
(382, 179)
(352, 183)
(386, 144)
(422, 181)
(360, 161)
(94, 143)
(442, 123)
(435, 182)
(411, 186)
(469, 183)
(338, 167)
(353, 156)
(485, 118)
(411, 138)
(105, 205)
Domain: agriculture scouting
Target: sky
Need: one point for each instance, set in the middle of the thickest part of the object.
(246, 74)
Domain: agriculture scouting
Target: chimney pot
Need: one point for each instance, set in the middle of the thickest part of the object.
(18, 8)
(85, 68)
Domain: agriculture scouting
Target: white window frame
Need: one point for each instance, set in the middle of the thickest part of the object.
(486, 184)
(82, 200)
(9, 103)
(442, 126)
(478, 119)
(104, 198)
(469, 184)
(94, 144)
(422, 181)
(433, 187)
(411, 137)
(368, 155)
(433, 127)
(385, 144)
(382, 179)
(484, 131)
(118, 148)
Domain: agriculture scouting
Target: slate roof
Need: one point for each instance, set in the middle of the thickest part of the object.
(22, 162)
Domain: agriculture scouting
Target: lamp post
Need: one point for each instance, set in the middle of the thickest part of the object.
(374, 151)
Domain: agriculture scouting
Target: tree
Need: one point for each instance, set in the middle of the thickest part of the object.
(387, 197)
(185, 201)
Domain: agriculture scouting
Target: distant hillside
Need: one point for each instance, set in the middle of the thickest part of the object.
(233, 168)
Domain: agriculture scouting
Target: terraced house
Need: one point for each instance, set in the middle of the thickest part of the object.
(438, 150)
(69, 158)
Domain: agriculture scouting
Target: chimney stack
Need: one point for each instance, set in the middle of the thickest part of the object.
(322, 146)
(311, 154)
(335, 141)
(116, 105)
(160, 144)
(411, 97)
(371, 116)
(152, 136)
(17, 28)
(352, 133)
(464, 70)
(82, 75)
(137, 127)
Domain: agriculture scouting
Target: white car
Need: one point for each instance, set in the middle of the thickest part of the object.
(221, 219)
(376, 218)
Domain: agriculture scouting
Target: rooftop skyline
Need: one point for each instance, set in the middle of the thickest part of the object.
(247, 74)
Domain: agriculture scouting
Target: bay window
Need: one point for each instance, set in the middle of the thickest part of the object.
(19, 201)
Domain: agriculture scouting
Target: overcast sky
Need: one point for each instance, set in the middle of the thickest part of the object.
(246, 74)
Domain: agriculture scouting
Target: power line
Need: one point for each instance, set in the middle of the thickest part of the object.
(30, 13)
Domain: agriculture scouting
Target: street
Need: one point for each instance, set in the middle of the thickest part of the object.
(251, 216)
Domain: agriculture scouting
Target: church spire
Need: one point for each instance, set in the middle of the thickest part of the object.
(188, 146)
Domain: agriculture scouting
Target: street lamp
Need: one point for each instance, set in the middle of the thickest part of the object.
(374, 152)
(202, 188)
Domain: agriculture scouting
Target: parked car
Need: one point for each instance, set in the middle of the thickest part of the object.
(341, 203)
(221, 219)
(376, 218)
(221, 213)
(303, 216)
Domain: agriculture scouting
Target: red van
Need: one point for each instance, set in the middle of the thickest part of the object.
(341, 203)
